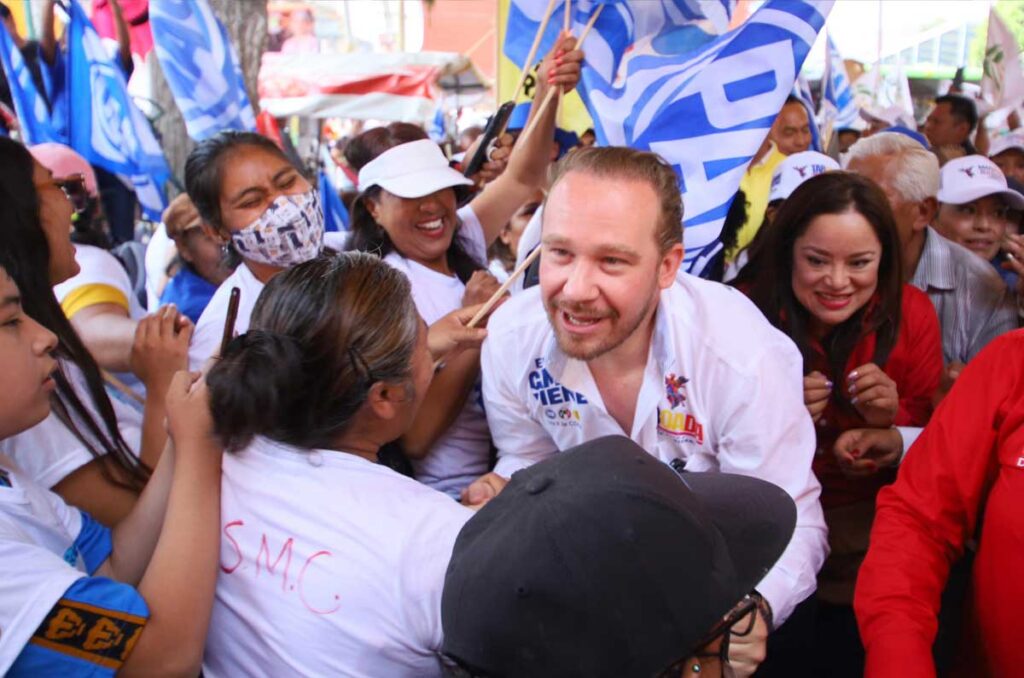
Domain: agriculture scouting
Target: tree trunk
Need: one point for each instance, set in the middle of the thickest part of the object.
(246, 24)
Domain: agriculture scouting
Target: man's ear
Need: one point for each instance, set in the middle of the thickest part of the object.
(669, 266)
(927, 210)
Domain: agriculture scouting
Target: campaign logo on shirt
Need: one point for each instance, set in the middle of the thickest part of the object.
(560, 404)
(674, 389)
(679, 425)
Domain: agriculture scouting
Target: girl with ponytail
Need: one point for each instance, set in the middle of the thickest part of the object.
(335, 364)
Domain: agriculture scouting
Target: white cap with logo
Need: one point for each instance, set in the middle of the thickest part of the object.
(966, 179)
(411, 170)
(795, 170)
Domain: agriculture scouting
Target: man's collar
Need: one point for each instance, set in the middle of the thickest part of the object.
(935, 267)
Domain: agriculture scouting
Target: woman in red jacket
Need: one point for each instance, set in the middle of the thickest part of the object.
(829, 277)
(963, 479)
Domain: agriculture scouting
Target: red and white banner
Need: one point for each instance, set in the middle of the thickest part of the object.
(397, 86)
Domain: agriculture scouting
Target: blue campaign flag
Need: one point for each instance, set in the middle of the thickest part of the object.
(29, 104)
(104, 124)
(706, 111)
(802, 91)
(201, 67)
(335, 214)
(841, 103)
(693, 23)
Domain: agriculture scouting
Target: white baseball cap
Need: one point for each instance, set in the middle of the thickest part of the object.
(411, 170)
(1006, 142)
(892, 115)
(795, 170)
(974, 176)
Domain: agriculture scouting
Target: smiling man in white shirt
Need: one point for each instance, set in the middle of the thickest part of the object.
(615, 341)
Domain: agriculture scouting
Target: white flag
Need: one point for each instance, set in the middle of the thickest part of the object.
(1002, 84)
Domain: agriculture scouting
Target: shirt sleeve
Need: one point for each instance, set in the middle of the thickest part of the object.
(521, 441)
(90, 295)
(923, 520)
(90, 631)
(768, 434)
(922, 368)
(1002, 316)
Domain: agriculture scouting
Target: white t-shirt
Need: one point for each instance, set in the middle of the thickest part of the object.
(100, 267)
(331, 565)
(160, 252)
(462, 453)
(210, 329)
(48, 452)
(722, 390)
(38, 532)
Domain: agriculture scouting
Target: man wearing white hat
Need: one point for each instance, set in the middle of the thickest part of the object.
(974, 201)
(1007, 152)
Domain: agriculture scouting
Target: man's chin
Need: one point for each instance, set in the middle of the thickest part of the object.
(581, 349)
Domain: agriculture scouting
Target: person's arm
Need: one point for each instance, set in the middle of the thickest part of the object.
(170, 542)
(919, 377)
(528, 164)
(48, 36)
(108, 332)
(997, 308)
(124, 40)
(923, 520)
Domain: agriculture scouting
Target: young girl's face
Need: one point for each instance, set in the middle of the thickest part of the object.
(26, 363)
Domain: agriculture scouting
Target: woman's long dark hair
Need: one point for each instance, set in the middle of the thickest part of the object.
(26, 249)
(367, 234)
(768, 277)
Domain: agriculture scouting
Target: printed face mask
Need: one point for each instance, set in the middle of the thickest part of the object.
(289, 232)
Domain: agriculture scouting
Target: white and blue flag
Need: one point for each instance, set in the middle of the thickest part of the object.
(29, 104)
(802, 91)
(840, 99)
(105, 125)
(201, 67)
(706, 110)
(335, 214)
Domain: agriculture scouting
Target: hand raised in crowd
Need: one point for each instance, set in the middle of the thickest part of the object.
(1013, 245)
(482, 490)
(188, 410)
(561, 67)
(497, 159)
(481, 287)
(949, 374)
(863, 452)
(161, 347)
(449, 334)
(874, 395)
(817, 391)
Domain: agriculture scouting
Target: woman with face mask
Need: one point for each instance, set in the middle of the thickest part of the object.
(255, 202)
(407, 212)
(335, 364)
(829, 276)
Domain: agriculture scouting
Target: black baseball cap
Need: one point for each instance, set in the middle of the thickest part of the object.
(603, 561)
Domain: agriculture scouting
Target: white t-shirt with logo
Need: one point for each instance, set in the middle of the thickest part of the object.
(462, 453)
(722, 390)
(331, 565)
(49, 452)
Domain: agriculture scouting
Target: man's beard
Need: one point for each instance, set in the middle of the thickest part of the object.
(615, 337)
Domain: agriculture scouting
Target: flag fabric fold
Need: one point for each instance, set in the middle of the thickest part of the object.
(29, 104)
(104, 124)
(201, 67)
(1002, 83)
(841, 103)
(335, 214)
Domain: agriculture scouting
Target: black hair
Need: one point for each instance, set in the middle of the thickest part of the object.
(367, 234)
(322, 333)
(767, 278)
(961, 108)
(27, 256)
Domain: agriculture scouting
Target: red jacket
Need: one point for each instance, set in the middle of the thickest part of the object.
(915, 364)
(969, 460)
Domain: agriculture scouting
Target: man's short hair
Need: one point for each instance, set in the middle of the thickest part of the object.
(619, 162)
(792, 99)
(961, 108)
(916, 176)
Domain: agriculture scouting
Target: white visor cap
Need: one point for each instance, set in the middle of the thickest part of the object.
(966, 179)
(411, 170)
(795, 170)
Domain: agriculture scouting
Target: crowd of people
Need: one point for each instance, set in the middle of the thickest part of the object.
(259, 448)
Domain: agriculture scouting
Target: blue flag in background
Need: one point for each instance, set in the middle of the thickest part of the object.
(841, 104)
(335, 214)
(104, 124)
(29, 104)
(707, 109)
(201, 67)
(802, 91)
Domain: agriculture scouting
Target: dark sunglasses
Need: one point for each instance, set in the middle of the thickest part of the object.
(74, 188)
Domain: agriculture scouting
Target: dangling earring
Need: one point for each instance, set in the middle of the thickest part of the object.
(696, 667)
